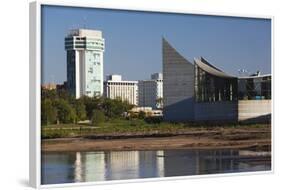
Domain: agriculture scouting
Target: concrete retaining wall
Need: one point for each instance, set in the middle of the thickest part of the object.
(254, 110)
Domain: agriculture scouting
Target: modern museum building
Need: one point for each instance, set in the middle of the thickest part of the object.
(199, 91)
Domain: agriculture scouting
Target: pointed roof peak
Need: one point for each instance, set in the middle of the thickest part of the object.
(168, 47)
(164, 39)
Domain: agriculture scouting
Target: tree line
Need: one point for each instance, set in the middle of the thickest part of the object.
(60, 107)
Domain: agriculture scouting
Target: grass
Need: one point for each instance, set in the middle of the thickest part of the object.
(123, 126)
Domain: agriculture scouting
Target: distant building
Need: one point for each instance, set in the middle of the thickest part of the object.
(147, 110)
(48, 86)
(151, 91)
(62, 86)
(254, 97)
(85, 62)
(115, 87)
(202, 92)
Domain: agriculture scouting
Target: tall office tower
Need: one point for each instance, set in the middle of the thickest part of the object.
(84, 62)
(115, 87)
(151, 91)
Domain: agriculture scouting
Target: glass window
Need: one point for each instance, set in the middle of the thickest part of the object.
(254, 88)
(209, 88)
(90, 70)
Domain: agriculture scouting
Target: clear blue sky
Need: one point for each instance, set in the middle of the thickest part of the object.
(133, 40)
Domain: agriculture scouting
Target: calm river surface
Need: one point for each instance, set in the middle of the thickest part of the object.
(69, 167)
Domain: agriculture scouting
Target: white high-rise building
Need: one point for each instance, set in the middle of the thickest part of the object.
(85, 62)
(151, 91)
(115, 87)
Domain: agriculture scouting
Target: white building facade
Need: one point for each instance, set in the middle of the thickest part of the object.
(151, 91)
(85, 62)
(115, 87)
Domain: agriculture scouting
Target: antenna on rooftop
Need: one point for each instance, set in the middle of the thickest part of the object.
(243, 72)
(72, 27)
(84, 22)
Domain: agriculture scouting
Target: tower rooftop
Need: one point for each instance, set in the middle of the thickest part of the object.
(85, 33)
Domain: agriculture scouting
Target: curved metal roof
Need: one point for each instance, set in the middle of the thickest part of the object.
(207, 67)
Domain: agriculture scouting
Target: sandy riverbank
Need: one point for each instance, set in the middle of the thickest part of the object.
(209, 139)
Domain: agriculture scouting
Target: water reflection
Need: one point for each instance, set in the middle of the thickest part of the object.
(120, 165)
(115, 165)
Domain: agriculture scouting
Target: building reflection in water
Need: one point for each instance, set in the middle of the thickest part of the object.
(95, 166)
(78, 168)
(151, 164)
(217, 161)
(180, 162)
(89, 167)
(116, 165)
(256, 164)
(122, 164)
(57, 168)
(160, 163)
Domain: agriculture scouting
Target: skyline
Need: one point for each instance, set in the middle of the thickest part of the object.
(230, 43)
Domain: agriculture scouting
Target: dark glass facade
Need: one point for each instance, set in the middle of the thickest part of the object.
(254, 88)
(71, 71)
(211, 88)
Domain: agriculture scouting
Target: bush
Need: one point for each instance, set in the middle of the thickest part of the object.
(97, 117)
(153, 120)
(141, 115)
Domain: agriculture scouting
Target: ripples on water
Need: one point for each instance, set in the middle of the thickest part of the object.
(69, 167)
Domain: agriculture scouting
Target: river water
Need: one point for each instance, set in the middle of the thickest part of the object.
(70, 167)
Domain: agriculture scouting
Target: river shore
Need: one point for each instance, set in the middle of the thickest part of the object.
(257, 138)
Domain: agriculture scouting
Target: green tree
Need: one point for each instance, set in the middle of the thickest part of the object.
(65, 113)
(141, 115)
(115, 107)
(109, 107)
(48, 94)
(48, 112)
(90, 105)
(80, 110)
(97, 117)
(64, 94)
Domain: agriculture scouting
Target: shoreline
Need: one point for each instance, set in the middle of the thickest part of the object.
(189, 138)
(151, 143)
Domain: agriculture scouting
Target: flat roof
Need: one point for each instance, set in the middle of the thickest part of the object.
(85, 33)
(122, 81)
(256, 76)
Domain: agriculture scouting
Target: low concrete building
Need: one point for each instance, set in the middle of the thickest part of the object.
(254, 93)
(203, 92)
(147, 110)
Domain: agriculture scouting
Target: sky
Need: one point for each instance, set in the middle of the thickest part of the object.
(133, 40)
